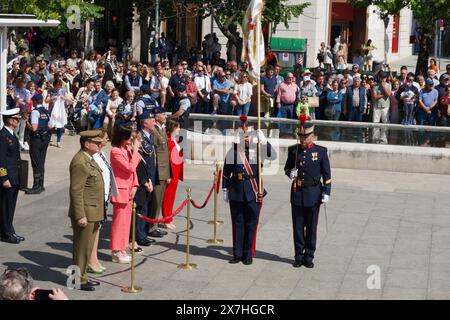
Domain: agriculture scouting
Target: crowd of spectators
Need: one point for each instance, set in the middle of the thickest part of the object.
(103, 90)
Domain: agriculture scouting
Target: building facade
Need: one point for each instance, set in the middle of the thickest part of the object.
(324, 20)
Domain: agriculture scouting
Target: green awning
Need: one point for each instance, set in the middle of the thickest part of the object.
(288, 44)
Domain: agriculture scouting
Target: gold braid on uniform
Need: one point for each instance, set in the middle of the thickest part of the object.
(327, 182)
(3, 172)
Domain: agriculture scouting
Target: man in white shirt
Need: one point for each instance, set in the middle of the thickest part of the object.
(158, 87)
(203, 83)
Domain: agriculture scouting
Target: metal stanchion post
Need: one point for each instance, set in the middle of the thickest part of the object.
(216, 179)
(132, 288)
(188, 265)
(215, 222)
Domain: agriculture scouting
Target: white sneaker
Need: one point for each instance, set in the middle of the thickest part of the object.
(267, 115)
(24, 146)
(118, 258)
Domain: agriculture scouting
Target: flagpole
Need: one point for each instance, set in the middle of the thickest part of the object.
(258, 44)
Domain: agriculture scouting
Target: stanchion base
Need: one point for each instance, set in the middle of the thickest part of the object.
(217, 223)
(131, 289)
(215, 241)
(187, 266)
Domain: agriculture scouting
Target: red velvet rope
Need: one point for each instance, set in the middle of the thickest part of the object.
(165, 219)
(206, 201)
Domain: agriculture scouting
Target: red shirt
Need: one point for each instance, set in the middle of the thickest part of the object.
(444, 103)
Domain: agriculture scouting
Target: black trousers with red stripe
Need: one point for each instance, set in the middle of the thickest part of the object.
(244, 219)
(304, 221)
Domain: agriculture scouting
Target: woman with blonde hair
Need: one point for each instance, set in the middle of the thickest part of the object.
(243, 94)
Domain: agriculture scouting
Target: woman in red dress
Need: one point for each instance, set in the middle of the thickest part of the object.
(176, 163)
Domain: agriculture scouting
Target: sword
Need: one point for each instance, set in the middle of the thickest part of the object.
(326, 216)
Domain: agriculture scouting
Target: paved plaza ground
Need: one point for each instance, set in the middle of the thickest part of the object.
(399, 222)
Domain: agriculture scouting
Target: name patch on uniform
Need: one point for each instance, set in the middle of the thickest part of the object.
(314, 156)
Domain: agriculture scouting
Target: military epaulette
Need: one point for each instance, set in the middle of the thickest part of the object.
(3, 172)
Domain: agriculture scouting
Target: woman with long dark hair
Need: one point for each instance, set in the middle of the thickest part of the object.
(124, 160)
(176, 163)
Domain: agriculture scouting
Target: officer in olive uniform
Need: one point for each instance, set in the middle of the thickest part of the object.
(10, 175)
(87, 202)
(241, 189)
(306, 164)
(39, 140)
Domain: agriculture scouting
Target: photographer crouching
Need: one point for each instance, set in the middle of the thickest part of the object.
(17, 284)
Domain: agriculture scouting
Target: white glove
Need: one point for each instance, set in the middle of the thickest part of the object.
(325, 198)
(225, 195)
(293, 174)
(261, 136)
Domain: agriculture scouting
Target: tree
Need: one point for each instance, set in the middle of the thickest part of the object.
(228, 14)
(55, 9)
(426, 14)
(146, 11)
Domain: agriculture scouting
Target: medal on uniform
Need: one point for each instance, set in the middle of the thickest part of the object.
(240, 176)
(314, 156)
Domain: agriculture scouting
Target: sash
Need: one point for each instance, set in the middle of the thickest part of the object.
(249, 171)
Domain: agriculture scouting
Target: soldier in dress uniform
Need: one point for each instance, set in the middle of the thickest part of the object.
(10, 174)
(39, 141)
(147, 176)
(241, 189)
(306, 164)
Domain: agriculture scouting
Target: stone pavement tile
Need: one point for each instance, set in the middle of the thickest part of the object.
(308, 289)
(324, 273)
(179, 290)
(394, 293)
(364, 251)
(283, 275)
(275, 292)
(438, 295)
(407, 278)
(357, 284)
(413, 246)
(410, 261)
(369, 295)
(440, 237)
(376, 239)
(360, 266)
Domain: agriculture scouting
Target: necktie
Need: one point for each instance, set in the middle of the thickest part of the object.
(110, 172)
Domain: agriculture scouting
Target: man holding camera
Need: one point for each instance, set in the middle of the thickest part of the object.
(39, 141)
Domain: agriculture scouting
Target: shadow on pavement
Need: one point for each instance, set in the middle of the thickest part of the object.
(40, 273)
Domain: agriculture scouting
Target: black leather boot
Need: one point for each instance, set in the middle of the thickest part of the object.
(36, 185)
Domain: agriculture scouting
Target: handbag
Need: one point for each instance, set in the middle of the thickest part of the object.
(313, 102)
(23, 174)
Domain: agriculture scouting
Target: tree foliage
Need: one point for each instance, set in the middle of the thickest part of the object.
(228, 14)
(52, 9)
(426, 12)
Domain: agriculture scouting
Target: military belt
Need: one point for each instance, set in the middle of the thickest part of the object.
(303, 184)
(240, 176)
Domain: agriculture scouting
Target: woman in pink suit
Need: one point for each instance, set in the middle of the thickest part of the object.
(176, 163)
(124, 160)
